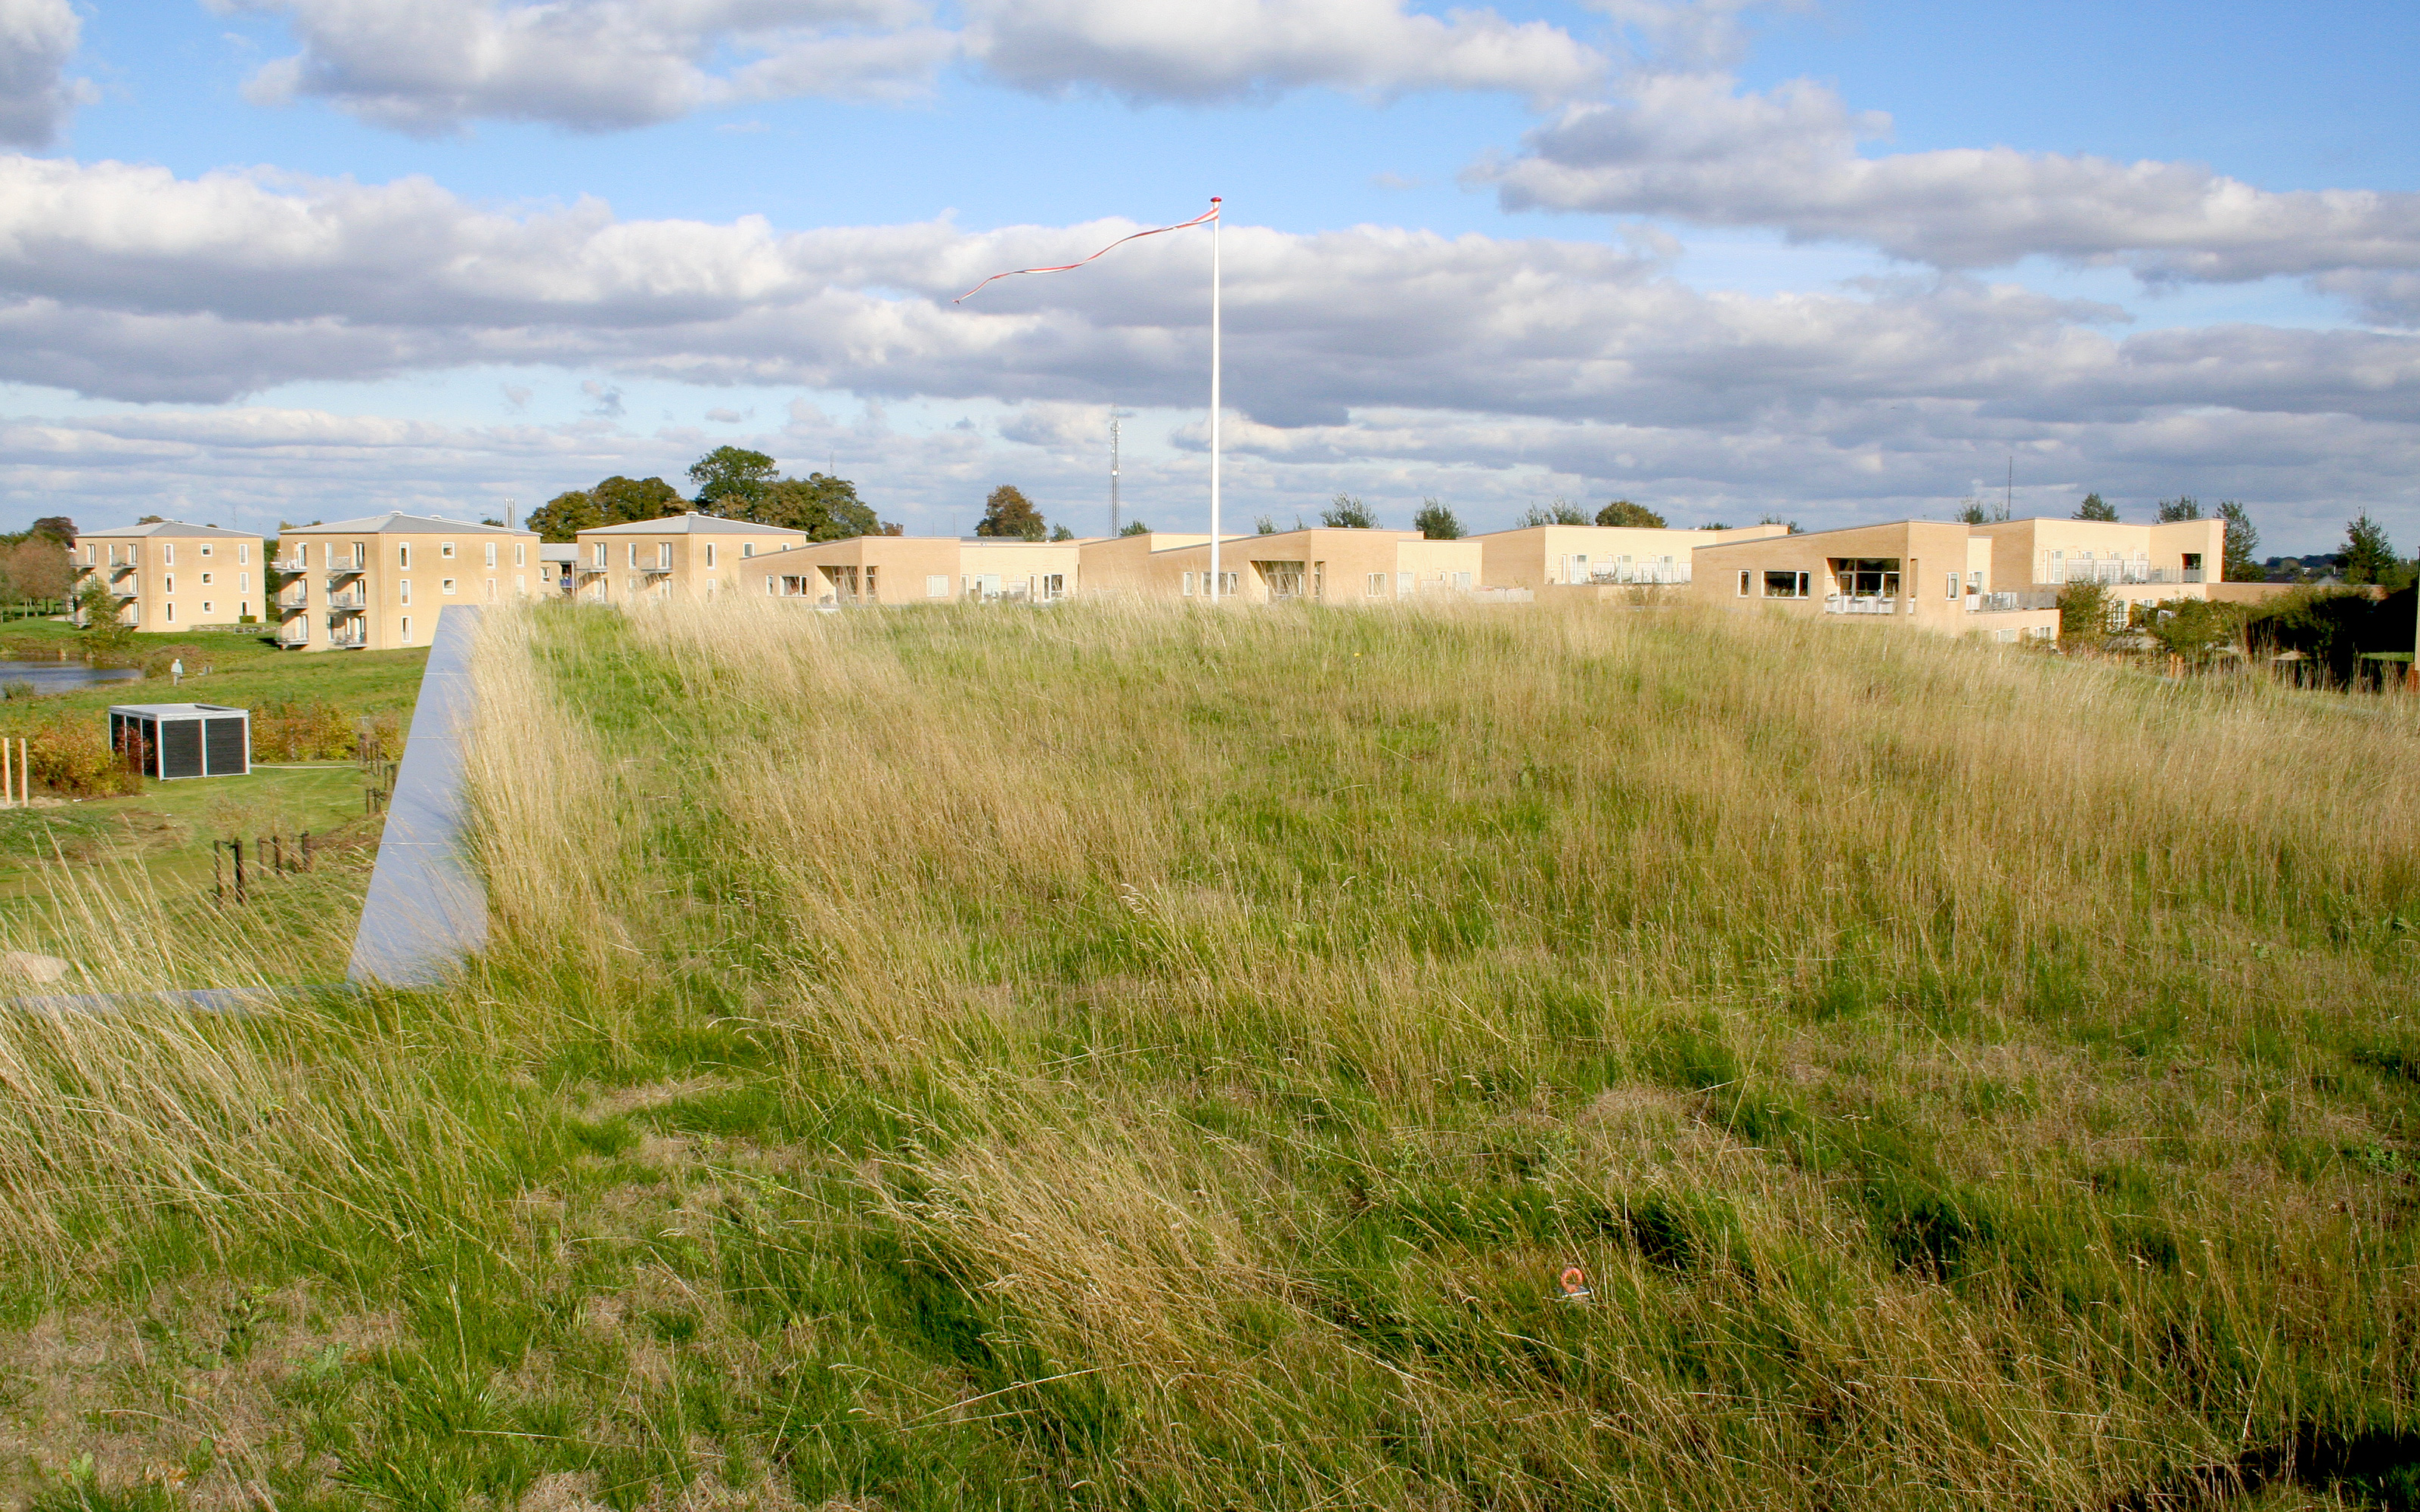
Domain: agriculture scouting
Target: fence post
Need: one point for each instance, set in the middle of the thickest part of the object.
(218, 875)
(237, 845)
(306, 850)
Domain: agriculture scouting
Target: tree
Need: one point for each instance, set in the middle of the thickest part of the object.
(2095, 507)
(57, 527)
(1135, 527)
(729, 478)
(2083, 614)
(2184, 506)
(1634, 517)
(2194, 628)
(1263, 525)
(152, 519)
(1009, 514)
(826, 508)
(2241, 540)
(2368, 556)
(1061, 533)
(1437, 522)
(616, 501)
(1562, 511)
(34, 567)
(1346, 513)
(103, 630)
(1795, 529)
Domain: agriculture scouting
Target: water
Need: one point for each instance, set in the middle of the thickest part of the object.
(59, 676)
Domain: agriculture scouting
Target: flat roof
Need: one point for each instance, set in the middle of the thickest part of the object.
(174, 711)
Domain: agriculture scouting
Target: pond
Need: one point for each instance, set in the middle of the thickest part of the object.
(59, 676)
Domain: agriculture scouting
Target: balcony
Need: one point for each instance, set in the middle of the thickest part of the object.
(2112, 570)
(1640, 573)
(2009, 603)
(352, 602)
(338, 574)
(294, 635)
(1849, 604)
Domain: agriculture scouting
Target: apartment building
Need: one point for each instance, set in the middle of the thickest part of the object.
(1319, 565)
(2138, 564)
(1601, 556)
(679, 555)
(992, 569)
(378, 583)
(169, 576)
(1924, 572)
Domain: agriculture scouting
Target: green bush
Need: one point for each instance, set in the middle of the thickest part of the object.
(311, 732)
(70, 757)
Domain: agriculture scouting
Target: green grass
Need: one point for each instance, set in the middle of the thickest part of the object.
(1095, 1058)
(168, 828)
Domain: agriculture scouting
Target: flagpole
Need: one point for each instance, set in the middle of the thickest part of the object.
(1215, 580)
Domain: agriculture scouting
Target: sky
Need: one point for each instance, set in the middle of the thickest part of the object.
(283, 260)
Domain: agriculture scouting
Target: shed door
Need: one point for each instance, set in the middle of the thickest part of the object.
(180, 747)
(226, 746)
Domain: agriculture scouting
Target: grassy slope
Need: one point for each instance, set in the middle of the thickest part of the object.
(1098, 1058)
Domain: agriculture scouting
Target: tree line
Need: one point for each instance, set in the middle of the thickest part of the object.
(729, 483)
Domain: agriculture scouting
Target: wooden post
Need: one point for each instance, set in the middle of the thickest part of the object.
(26, 773)
(218, 876)
(306, 850)
(237, 845)
(6, 786)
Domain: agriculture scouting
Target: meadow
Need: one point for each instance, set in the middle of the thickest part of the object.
(1122, 1057)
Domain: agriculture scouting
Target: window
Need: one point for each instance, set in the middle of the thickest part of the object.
(244, 582)
(172, 615)
(1403, 584)
(634, 553)
(404, 585)
(205, 550)
(937, 585)
(1743, 575)
(1377, 586)
(491, 553)
(520, 582)
(1868, 577)
(600, 554)
(206, 579)
(445, 550)
(403, 555)
(243, 554)
(446, 586)
(1785, 585)
(407, 631)
(768, 585)
(1054, 585)
(709, 554)
(88, 549)
(1954, 585)
(361, 554)
(171, 583)
(1188, 583)
(748, 549)
(520, 554)
(206, 606)
(491, 590)
(168, 553)
(663, 556)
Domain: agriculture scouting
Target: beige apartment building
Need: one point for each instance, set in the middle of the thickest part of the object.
(379, 582)
(2001, 579)
(679, 555)
(1601, 556)
(169, 577)
(1319, 565)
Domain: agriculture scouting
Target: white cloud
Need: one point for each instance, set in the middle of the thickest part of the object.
(1215, 50)
(1692, 145)
(429, 66)
(1360, 358)
(36, 40)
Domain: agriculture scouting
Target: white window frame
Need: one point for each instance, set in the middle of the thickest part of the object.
(1188, 584)
(709, 555)
(446, 586)
(1377, 586)
(937, 585)
(167, 553)
(406, 635)
(1957, 586)
(205, 550)
(206, 578)
(403, 590)
(403, 555)
(445, 550)
(491, 553)
(1745, 574)
(168, 584)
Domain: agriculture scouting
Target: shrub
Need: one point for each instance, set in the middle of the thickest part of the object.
(2083, 614)
(311, 732)
(70, 756)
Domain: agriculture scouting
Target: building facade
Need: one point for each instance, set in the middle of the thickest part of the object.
(679, 555)
(1601, 556)
(1320, 564)
(379, 582)
(169, 576)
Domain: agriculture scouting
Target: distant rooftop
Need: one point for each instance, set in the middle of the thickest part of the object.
(167, 527)
(395, 522)
(694, 525)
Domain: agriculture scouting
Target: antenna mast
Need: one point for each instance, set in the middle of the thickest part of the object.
(2009, 499)
(1116, 415)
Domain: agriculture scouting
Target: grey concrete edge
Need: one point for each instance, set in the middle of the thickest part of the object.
(427, 910)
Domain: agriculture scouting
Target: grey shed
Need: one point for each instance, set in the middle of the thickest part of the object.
(183, 739)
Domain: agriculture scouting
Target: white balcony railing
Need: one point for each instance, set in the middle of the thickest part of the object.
(1849, 604)
(1638, 573)
(2113, 570)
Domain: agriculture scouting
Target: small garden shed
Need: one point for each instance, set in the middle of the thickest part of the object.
(183, 739)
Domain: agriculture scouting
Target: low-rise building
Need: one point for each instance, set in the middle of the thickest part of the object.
(691, 554)
(1923, 573)
(169, 576)
(1604, 556)
(379, 582)
(1321, 564)
(2138, 564)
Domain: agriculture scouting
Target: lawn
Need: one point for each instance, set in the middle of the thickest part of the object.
(1555, 1057)
(167, 829)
